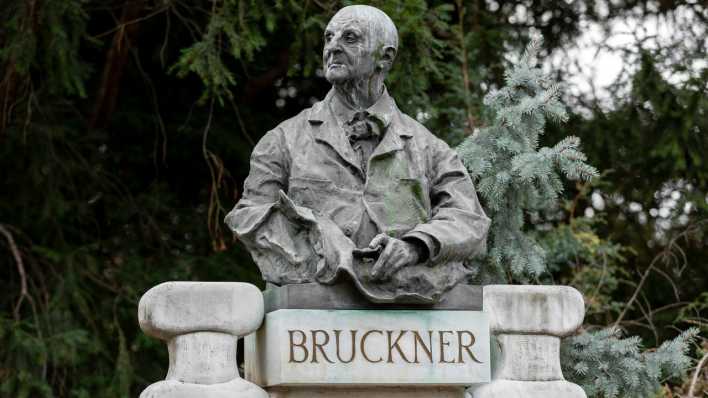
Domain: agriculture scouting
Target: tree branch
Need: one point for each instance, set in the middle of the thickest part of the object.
(24, 294)
(694, 380)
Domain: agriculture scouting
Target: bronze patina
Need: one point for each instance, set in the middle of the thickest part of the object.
(352, 187)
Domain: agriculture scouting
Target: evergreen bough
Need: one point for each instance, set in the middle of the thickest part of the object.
(516, 178)
(607, 366)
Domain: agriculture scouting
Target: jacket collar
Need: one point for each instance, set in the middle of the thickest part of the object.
(383, 109)
(328, 115)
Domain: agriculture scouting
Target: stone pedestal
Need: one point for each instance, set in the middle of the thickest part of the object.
(337, 352)
(201, 323)
(528, 322)
(329, 341)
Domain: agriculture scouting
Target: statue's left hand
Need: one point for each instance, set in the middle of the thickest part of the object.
(395, 255)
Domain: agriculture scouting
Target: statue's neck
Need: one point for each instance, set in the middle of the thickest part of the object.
(361, 94)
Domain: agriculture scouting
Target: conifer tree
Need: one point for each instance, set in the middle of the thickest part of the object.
(516, 180)
(515, 177)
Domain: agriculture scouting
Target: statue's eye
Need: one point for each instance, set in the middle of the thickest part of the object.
(350, 37)
(328, 37)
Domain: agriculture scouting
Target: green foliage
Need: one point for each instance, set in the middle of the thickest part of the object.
(47, 39)
(514, 176)
(237, 26)
(691, 312)
(597, 264)
(608, 366)
(424, 52)
(97, 232)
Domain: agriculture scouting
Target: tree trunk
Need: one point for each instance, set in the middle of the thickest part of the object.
(116, 60)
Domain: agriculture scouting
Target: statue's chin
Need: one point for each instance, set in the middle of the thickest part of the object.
(336, 79)
(337, 75)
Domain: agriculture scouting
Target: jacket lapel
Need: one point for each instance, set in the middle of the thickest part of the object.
(325, 129)
(392, 141)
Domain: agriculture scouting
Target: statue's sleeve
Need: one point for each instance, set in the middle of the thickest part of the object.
(289, 243)
(268, 175)
(280, 249)
(458, 226)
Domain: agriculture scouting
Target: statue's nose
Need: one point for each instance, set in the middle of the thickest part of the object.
(332, 47)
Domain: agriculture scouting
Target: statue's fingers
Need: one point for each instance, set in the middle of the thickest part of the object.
(396, 262)
(403, 259)
(377, 272)
(379, 240)
(376, 269)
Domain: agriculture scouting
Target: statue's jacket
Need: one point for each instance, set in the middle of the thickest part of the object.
(306, 192)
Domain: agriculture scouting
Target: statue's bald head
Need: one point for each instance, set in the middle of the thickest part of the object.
(381, 27)
(360, 43)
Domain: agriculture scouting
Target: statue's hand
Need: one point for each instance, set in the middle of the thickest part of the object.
(395, 255)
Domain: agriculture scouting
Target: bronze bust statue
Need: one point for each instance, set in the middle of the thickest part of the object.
(352, 187)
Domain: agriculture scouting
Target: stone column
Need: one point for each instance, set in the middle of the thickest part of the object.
(201, 323)
(528, 322)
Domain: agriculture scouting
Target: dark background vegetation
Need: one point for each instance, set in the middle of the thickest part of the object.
(126, 128)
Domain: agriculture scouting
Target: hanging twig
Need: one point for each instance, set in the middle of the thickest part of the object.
(465, 67)
(697, 372)
(637, 290)
(24, 294)
(125, 23)
(666, 255)
(216, 170)
(241, 124)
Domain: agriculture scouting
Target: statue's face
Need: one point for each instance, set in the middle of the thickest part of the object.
(348, 51)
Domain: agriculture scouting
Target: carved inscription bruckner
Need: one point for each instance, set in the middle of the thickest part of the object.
(297, 347)
(409, 346)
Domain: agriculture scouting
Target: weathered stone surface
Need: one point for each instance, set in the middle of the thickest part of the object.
(369, 348)
(203, 358)
(201, 322)
(551, 310)
(528, 322)
(344, 296)
(175, 308)
(529, 357)
(237, 388)
(528, 389)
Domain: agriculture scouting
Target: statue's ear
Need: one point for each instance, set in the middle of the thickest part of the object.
(388, 54)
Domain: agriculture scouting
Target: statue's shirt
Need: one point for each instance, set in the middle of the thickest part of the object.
(364, 130)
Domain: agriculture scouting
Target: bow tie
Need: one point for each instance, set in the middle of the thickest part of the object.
(364, 125)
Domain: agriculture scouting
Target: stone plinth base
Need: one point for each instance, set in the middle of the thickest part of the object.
(344, 296)
(372, 392)
(529, 389)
